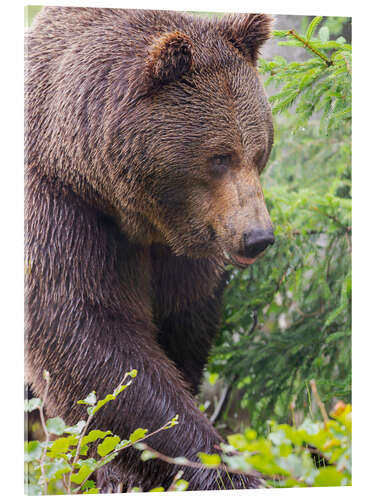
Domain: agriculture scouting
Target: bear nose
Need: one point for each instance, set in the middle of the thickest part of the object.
(257, 240)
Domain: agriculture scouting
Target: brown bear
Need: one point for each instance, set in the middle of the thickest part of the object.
(146, 135)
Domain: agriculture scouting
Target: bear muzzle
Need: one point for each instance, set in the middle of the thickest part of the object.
(254, 243)
(257, 240)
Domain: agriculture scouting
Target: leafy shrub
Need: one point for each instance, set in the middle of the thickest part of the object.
(315, 453)
(63, 465)
(284, 458)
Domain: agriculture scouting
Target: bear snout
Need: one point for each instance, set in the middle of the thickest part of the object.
(256, 241)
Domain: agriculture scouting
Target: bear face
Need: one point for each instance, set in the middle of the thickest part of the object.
(205, 184)
(209, 134)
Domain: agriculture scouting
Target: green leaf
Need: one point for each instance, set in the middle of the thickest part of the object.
(55, 426)
(238, 441)
(312, 26)
(83, 473)
(94, 435)
(56, 469)
(158, 488)
(120, 388)
(33, 450)
(310, 427)
(108, 445)
(109, 397)
(291, 483)
(172, 422)
(84, 450)
(91, 491)
(62, 445)
(137, 434)
(210, 460)
(89, 400)
(332, 337)
(33, 490)
(324, 34)
(278, 437)
(292, 434)
(76, 429)
(181, 485)
(280, 33)
(329, 476)
(88, 484)
(265, 465)
(213, 378)
(32, 404)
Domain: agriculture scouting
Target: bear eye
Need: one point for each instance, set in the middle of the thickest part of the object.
(219, 164)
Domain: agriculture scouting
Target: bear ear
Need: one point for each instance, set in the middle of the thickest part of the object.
(247, 32)
(169, 57)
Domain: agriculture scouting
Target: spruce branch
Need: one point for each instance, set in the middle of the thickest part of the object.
(308, 46)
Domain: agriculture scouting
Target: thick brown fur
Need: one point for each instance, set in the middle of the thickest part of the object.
(129, 210)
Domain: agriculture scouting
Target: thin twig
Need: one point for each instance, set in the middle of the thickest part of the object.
(319, 402)
(292, 407)
(79, 445)
(218, 468)
(347, 66)
(175, 479)
(78, 450)
(115, 452)
(222, 402)
(335, 219)
(42, 460)
(310, 47)
(251, 330)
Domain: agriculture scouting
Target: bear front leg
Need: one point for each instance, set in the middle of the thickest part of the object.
(158, 393)
(187, 337)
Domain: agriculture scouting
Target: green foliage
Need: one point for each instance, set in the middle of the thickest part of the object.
(285, 458)
(209, 460)
(321, 84)
(287, 318)
(315, 453)
(137, 434)
(61, 465)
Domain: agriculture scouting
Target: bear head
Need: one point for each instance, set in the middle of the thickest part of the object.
(189, 133)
